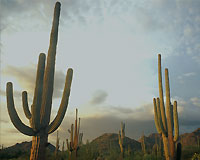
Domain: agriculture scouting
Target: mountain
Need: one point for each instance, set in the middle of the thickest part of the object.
(190, 139)
(21, 148)
(152, 139)
(186, 139)
(109, 142)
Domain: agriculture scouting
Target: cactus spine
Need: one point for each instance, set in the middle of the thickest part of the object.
(75, 138)
(121, 136)
(39, 116)
(166, 123)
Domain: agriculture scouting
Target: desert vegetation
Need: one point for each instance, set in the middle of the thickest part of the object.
(166, 144)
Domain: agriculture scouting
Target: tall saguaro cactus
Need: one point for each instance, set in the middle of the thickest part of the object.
(166, 124)
(121, 137)
(39, 116)
(75, 138)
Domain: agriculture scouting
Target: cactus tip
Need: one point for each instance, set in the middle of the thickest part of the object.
(9, 84)
(58, 4)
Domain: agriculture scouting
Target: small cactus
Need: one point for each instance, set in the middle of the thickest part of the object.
(143, 144)
(63, 147)
(121, 137)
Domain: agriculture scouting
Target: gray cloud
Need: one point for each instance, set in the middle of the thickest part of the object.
(99, 97)
(123, 110)
(195, 101)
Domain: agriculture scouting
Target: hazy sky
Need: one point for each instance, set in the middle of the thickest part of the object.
(112, 46)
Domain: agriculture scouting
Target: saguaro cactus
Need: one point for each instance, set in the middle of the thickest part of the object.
(63, 147)
(39, 116)
(166, 123)
(75, 138)
(143, 144)
(57, 146)
(121, 137)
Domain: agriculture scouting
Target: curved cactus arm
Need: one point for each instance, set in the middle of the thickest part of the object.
(50, 69)
(64, 103)
(156, 117)
(25, 105)
(37, 100)
(176, 125)
(164, 120)
(13, 114)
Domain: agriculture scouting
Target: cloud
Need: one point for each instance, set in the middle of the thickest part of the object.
(195, 101)
(123, 110)
(99, 97)
(26, 78)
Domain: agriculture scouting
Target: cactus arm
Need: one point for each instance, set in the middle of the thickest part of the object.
(161, 93)
(169, 116)
(71, 136)
(64, 103)
(13, 114)
(49, 70)
(37, 100)
(68, 147)
(123, 129)
(119, 136)
(168, 105)
(78, 132)
(80, 138)
(25, 105)
(75, 130)
(159, 117)
(176, 126)
(156, 117)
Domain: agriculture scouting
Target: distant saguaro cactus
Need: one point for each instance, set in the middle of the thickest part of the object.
(39, 116)
(57, 146)
(121, 137)
(166, 123)
(75, 139)
(143, 144)
(63, 147)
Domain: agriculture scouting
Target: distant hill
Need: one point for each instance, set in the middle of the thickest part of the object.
(109, 141)
(186, 139)
(190, 139)
(21, 148)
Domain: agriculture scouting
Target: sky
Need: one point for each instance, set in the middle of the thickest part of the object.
(112, 46)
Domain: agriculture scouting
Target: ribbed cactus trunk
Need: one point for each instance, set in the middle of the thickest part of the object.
(38, 149)
(39, 116)
(165, 145)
